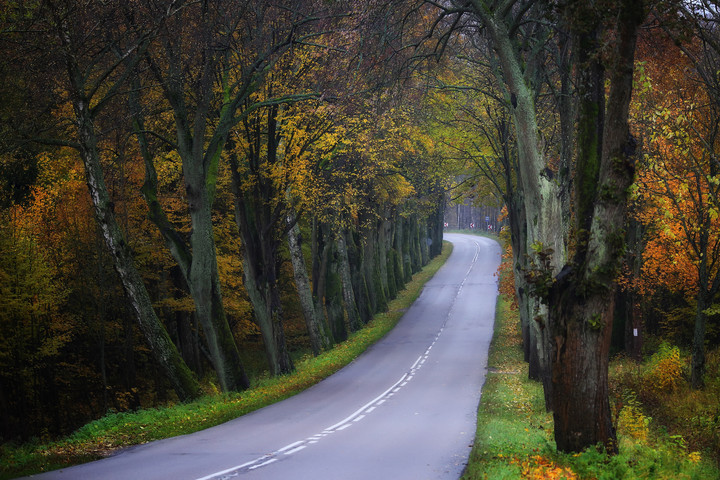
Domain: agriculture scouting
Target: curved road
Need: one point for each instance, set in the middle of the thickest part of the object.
(405, 409)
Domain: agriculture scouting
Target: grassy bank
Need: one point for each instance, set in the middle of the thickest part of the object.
(101, 437)
(514, 438)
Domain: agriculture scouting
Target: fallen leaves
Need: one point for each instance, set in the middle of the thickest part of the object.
(538, 467)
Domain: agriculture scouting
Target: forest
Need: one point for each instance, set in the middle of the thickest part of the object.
(196, 194)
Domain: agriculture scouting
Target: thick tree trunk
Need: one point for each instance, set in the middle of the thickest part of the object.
(398, 251)
(381, 257)
(581, 295)
(334, 293)
(416, 259)
(259, 259)
(267, 310)
(436, 226)
(257, 226)
(204, 281)
(371, 271)
(197, 261)
(403, 245)
(581, 408)
(541, 192)
(583, 298)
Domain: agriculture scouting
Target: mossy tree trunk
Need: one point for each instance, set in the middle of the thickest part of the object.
(358, 268)
(582, 299)
(258, 225)
(314, 317)
(196, 256)
(574, 333)
(544, 239)
(348, 291)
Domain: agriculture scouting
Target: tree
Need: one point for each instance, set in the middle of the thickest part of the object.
(577, 284)
(185, 72)
(85, 62)
(679, 181)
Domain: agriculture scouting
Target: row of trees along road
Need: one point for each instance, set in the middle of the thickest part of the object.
(562, 113)
(243, 160)
(566, 69)
(216, 138)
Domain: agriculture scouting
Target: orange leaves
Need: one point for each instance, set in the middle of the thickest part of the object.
(506, 274)
(538, 468)
(678, 189)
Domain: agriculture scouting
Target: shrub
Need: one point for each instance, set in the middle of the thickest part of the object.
(665, 372)
(632, 422)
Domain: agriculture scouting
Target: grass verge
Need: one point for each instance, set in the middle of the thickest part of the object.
(102, 437)
(514, 438)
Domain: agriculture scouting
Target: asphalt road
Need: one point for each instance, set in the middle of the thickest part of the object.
(405, 409)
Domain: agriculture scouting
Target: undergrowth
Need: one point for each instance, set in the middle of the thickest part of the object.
(117, 430)
(514, 437)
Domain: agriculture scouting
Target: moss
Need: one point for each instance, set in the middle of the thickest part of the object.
(609, 193)
(595, 322)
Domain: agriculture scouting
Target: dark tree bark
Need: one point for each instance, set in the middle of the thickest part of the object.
(571, 299)
(354, 321)
(260, 260)
(582, 299)
(356, 260)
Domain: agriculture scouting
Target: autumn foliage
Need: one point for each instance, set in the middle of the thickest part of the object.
(278, 119)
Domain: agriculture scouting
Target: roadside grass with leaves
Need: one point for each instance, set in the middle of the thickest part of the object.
(117, 430)
(514, 438)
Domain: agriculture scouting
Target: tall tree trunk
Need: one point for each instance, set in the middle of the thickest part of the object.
(574, 332)
(436, 224)
(387, 271)
(162, 348)
(334, 293)
(356, 259)
(416, 263)
(402, 246)
(582, 299)
(314, 318)
(197, 260)
(204, 282)
(256, 226)
(541, 195)
(354, 321)
(372, 272)
(518, 239)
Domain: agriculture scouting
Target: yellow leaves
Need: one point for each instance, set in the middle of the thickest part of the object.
(666, 369)
(633, 423)
(695, 457)
(169, 169)
(713, 213)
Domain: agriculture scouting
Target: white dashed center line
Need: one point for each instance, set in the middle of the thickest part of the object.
(356, 416)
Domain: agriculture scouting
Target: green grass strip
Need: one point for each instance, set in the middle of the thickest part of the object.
(514, 437)
(117, 430)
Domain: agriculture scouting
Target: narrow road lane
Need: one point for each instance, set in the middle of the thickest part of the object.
(405, 409)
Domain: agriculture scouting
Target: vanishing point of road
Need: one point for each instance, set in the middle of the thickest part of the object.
(405, 409)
